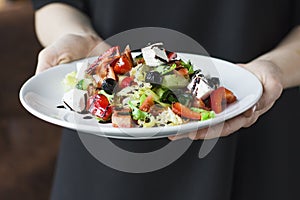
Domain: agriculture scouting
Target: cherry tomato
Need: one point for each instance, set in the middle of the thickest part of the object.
(183, 71)
(99, 106)
(123, 65)
(172, 55)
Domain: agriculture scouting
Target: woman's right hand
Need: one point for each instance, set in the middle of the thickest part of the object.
(68, 48)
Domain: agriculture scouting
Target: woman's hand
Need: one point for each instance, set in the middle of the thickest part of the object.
(270, 76)
(68, 48)
(67, 34)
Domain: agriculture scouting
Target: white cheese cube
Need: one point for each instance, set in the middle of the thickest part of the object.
(150, 53)
(200, 88)
(75, 99)
(161, 53)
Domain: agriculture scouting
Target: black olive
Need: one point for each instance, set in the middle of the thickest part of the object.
(108, 85)
(214, 82)
(153, 77)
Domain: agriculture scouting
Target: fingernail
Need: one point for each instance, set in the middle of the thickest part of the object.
(254, 109)
(177, 137)
(172, 137)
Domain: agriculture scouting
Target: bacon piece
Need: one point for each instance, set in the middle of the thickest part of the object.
(122, 118)
(106, 58)
(220, 97)
(103, 72)
(146, 105)
(199, 103)
(229, 96)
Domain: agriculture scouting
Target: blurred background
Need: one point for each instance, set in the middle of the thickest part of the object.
(28, 146)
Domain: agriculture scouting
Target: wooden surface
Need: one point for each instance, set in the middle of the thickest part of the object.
(28, 146)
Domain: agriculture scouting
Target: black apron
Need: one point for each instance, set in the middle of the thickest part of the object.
(240, 166)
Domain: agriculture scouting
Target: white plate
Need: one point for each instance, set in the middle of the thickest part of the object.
(41, 95)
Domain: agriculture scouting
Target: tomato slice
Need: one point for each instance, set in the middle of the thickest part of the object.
(217, 100)
(184, 111)
(183, 71)
(99, 106)
(123, 65)
(172, 55)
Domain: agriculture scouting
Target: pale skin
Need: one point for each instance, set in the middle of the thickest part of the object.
(73, 38)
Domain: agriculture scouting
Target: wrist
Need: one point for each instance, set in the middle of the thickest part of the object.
(276, 71)
(286, 60)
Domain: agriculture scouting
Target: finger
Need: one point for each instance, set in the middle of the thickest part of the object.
(46, 59)
(99, 49)
(248, 113)
(241, 64)
(237, 123)
(209, 133)
(223, 129)
(42, 64)
(177, 137)
(186, 135)
(227, 128)
(200, 134)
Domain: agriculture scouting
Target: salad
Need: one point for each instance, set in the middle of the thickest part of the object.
(154, 88)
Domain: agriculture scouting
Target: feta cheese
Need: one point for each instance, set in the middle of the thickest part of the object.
(150, 54)
(149, 57)
(200, 88)
(203, 90)
(161, 53)
(75, 99)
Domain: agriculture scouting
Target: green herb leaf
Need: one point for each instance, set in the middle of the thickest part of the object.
(204, 113)
(136, 113)
(188, 66)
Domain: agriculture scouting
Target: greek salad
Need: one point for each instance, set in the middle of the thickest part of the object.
(154, 88)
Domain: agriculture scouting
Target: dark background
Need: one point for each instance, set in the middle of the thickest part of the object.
(28, 145)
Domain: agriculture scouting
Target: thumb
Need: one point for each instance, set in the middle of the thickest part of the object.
(241, 64)
(47, 58)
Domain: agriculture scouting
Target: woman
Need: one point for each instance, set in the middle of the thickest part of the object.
(238, 31)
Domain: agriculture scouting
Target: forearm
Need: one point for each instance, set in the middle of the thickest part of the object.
(287, 57)
(56, 20)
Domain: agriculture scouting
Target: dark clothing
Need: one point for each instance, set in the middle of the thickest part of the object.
(235, 30)
(80, 176)
(250, 164)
